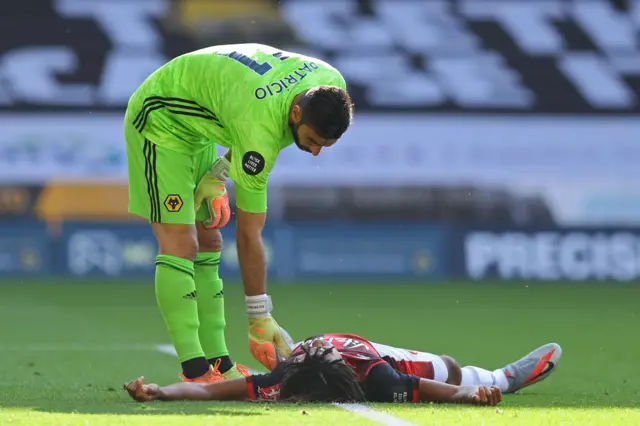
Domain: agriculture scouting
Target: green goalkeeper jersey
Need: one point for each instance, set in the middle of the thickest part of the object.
(237, 96)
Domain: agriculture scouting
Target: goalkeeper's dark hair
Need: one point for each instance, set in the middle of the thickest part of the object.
(328, 110)
(317, 380)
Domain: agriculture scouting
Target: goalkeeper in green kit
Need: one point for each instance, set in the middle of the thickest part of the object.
(254, 100)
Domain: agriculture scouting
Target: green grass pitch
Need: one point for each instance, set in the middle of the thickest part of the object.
(66, 350)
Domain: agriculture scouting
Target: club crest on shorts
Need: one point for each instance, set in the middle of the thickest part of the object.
(173, 202)
(252, 163)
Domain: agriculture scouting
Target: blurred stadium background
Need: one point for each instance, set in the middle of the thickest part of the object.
(495, 140)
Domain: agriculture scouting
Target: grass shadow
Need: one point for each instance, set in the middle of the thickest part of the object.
(117, 402)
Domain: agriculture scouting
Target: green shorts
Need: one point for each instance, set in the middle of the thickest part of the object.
(162, 182)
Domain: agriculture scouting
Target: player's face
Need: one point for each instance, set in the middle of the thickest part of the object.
(308, 140)
(304, 136)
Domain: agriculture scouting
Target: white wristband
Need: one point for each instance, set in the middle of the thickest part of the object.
(220, 169)
(258, 306)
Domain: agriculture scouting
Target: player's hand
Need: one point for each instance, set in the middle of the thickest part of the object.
(141, 392)
(268, 342)
(479, 395)
(212, 193)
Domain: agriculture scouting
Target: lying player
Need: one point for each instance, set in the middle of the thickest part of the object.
(348, 368)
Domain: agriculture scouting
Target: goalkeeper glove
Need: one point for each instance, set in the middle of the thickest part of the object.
(211, 191)
(268, 342)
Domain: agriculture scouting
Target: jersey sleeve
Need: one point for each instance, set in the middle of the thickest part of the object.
(265, 387)
(255, 150)
(384, 384)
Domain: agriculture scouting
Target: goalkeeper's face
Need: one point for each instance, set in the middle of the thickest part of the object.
(319, 117)
(308, 139)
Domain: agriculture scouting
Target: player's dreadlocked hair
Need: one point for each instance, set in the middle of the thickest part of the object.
(328, 110)
(316, 380)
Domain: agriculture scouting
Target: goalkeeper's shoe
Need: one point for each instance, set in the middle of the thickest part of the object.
(238, 371)
(533, 368)
(211, 376)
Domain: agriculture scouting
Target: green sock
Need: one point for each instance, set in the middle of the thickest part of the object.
(210, 305)
(176, 297)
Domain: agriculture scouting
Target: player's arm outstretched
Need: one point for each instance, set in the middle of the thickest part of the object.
(225, 390)
(432, 391)
(266, 340)
(386, 384)
(237, 390)
(251, 162)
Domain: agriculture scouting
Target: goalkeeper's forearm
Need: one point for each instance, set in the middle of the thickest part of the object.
(253, 265)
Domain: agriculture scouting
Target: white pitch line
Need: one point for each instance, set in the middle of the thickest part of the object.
(375, 415)
(167, 349)
(363, 410)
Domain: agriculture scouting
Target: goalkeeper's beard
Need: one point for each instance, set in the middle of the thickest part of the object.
(294, 131)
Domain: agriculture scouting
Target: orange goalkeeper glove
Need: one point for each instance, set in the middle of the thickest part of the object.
(211, 192)
(268, 342)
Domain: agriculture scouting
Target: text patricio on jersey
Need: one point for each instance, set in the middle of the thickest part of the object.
(286, 82)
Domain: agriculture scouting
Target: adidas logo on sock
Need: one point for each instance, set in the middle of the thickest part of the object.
(190, 296)
(219, 295)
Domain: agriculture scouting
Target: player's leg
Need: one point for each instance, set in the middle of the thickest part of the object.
(530, 369)
(209, 285)
(441, 368)
(160, 190)
(534, 367)
(471, 375)
(211, 302)
(421, 364)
